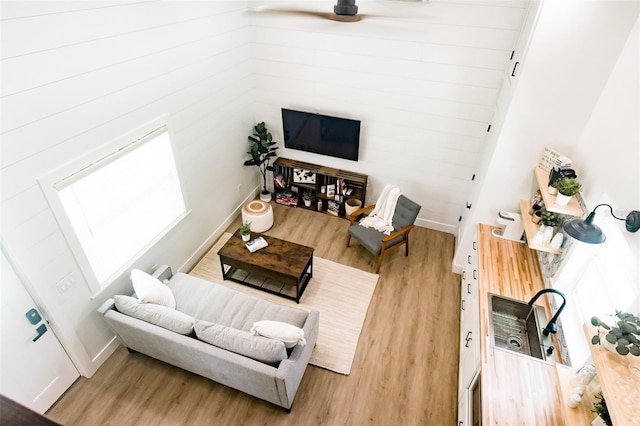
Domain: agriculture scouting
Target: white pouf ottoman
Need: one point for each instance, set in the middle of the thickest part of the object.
(259, 213)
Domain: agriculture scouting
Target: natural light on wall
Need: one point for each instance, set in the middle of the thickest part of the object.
(120, 204)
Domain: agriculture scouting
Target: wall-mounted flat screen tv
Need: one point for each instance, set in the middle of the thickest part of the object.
(321, 134)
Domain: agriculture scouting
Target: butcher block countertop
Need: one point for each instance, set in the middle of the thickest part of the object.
(515, 390)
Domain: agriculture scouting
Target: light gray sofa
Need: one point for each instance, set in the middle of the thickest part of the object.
(275, 382)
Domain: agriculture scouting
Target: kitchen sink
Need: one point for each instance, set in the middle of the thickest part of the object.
(517, 327)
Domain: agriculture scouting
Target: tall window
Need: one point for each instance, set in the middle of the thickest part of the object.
(116, 207)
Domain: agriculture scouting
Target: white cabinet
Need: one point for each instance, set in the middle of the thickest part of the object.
(469, 330)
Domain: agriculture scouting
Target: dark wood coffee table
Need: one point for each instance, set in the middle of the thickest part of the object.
(279, 268)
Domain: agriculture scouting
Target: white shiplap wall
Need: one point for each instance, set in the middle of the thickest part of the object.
(77, 74)
(422, 76)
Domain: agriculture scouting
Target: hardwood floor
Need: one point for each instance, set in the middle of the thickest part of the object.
(404, 371)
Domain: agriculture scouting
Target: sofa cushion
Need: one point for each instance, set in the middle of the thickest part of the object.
(149, 289)
(155, 314)
(219, 304)
(288, 334)
(241, 342)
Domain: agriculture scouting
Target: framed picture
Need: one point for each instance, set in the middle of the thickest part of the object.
(331, 190)
(303, 176)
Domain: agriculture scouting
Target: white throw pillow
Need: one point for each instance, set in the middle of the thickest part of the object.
(151, 290)
(289, 334)
(159, 315)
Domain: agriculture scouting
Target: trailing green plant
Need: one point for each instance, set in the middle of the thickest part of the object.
(262, 150)
(600, 408)
(624, 334)
(567, 186)
(549, 218)
(245, 228)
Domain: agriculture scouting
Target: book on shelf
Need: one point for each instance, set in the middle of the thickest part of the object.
(256, 244)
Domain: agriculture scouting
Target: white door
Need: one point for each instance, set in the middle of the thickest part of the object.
(35, 369)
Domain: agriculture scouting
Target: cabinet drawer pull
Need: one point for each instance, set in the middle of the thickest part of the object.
(475, 274)
(468, 339)
(469, 259)
(464, 274)
(469, 288)
(462, 304)
(474, 246)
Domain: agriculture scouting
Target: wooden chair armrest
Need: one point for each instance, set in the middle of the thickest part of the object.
(354, 216)
(397, 234)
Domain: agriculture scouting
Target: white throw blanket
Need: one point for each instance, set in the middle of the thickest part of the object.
(381, 216)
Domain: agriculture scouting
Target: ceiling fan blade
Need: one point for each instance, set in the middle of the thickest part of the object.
(316, 14)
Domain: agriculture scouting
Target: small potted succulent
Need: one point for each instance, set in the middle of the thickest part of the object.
(245, 231)
(549, 219)
(567, 187)
(624, 336)
(307, 197)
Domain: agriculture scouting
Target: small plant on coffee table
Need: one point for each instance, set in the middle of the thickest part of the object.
(245, 230)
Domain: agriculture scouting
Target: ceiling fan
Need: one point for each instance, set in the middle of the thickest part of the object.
(343, 11)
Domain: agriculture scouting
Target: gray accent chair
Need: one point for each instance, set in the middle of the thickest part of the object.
(377, 242)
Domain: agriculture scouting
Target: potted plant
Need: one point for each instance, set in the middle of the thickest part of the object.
(307, 197)
(549, 219)
(262, 150)
(245, 231)
(567, 187)
(624, 335)
(600, 408)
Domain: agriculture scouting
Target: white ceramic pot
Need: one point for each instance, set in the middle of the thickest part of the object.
(246, 237)
(307, 203)
(562, 200)
(598, 422)
(265, 197)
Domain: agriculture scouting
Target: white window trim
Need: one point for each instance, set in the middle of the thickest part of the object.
(76, 168)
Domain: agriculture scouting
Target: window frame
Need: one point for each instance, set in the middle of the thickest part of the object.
(95, 160)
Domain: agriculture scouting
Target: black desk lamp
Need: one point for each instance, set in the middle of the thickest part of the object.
(586, 231)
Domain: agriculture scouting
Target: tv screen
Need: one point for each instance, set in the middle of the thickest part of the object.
(321, 134)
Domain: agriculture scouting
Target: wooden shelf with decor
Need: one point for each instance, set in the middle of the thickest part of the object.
(530, 229)
(312, 177)
(571, 209)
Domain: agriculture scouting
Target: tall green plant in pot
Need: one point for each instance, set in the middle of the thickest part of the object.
(262, 149)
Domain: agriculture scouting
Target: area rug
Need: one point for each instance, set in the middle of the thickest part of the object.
(340, 293)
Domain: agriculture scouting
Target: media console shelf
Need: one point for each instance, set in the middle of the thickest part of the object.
(292, 178)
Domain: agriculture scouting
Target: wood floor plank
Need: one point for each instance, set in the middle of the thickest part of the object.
(404, 371)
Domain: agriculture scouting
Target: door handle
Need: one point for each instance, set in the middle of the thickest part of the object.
(41, 330)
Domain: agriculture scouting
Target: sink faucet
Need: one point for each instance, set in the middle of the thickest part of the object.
(551, 325)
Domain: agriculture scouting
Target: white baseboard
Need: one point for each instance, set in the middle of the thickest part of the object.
(437, 226)
(105, 353)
